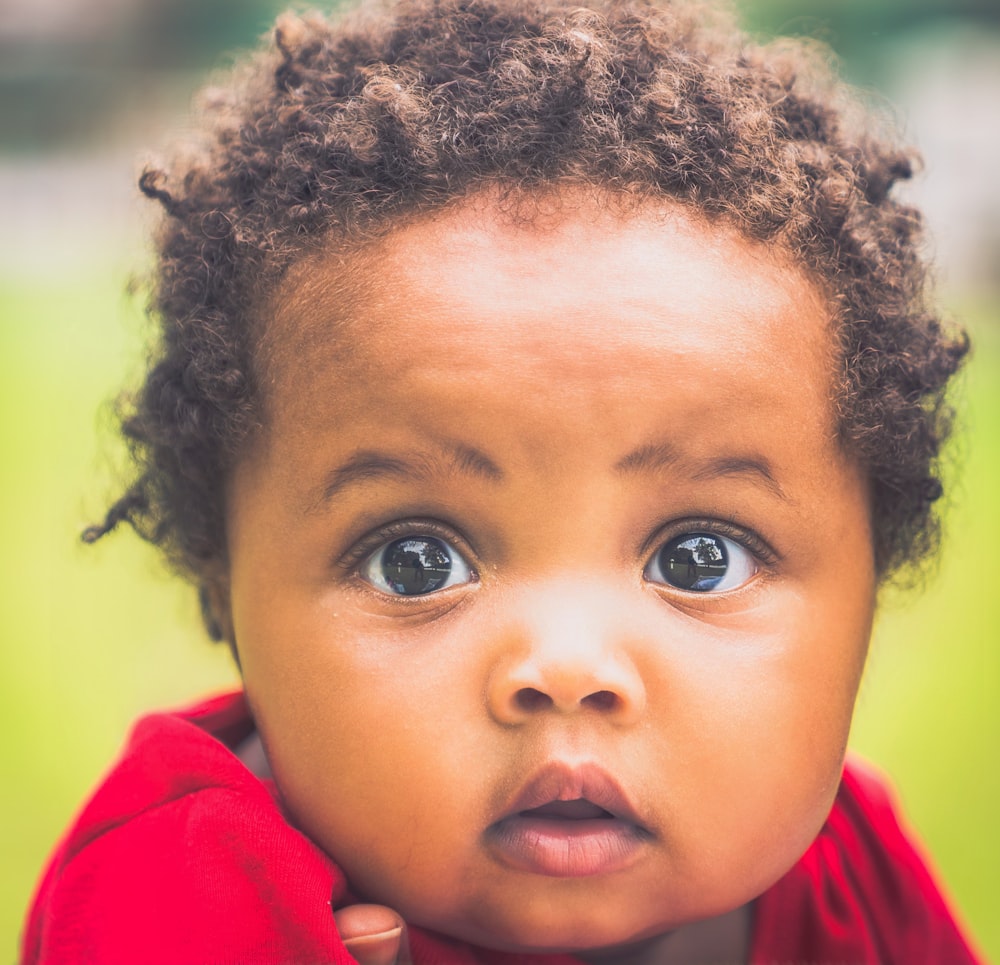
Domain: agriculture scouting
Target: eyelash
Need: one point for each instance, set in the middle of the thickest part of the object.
(746, 538)
(368, 544)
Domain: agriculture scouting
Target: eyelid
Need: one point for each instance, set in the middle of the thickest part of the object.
(363, 548)
(745, 537)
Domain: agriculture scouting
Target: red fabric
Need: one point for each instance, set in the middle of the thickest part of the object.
(183, 856)
(861, 894)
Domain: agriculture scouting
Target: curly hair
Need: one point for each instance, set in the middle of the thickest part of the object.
(340, 129)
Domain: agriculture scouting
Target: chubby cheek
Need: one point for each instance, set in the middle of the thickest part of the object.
(814, 690)
(756, 753)
(372, 754)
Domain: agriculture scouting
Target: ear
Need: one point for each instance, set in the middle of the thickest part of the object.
(216, 612)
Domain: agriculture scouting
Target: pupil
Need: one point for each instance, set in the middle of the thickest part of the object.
(696, 562)
(416, 565)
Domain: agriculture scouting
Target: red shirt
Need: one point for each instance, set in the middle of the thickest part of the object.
(183, 856)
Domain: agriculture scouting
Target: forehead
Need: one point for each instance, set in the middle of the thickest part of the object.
(561, 268)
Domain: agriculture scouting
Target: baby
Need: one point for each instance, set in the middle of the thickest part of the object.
(544, 393)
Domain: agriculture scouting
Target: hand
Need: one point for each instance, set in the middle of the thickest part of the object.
(373, 934)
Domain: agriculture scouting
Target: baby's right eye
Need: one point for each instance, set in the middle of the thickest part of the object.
(415, 565)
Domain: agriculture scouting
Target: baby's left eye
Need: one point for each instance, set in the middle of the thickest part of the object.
(415, 565)
(701, 562)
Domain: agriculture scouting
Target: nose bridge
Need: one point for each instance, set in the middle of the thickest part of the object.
(566, 648)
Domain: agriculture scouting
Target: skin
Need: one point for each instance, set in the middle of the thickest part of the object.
(555, 400)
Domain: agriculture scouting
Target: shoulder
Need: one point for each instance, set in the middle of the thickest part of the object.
(862, 893)
(183, 855)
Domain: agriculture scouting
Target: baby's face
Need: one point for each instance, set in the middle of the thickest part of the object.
(551, 585)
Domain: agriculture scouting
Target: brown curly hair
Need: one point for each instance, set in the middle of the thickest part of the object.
(341, 129)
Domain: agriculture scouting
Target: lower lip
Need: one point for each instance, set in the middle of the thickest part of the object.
(566, 849)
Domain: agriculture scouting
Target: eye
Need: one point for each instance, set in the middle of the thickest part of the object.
(701, 563)
(415, 565)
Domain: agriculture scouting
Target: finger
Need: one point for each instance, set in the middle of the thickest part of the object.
(373, 934)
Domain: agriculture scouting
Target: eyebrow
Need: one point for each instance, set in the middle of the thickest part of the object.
(652, 458)
(366, 465)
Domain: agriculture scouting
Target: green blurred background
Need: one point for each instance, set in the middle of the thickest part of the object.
(91, 637)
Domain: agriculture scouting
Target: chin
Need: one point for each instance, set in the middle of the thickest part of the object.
(543, 927)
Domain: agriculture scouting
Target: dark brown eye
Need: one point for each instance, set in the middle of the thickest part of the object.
(415, 565)
(701, 562)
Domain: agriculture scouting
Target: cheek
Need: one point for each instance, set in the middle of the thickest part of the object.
(371, 752)
(759, 745)
(820, 683)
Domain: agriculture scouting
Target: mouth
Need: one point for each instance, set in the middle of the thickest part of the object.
(569, 822)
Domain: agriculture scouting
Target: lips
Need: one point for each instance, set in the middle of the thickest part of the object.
(569, 821)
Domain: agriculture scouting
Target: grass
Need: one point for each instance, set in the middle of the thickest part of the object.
(94, 636)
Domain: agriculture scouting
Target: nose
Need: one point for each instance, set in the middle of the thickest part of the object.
(565, 651)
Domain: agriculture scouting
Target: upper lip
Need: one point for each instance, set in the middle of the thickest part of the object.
(564, 781)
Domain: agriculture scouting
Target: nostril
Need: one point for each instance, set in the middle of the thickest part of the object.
(601, 700)
(529, 699)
